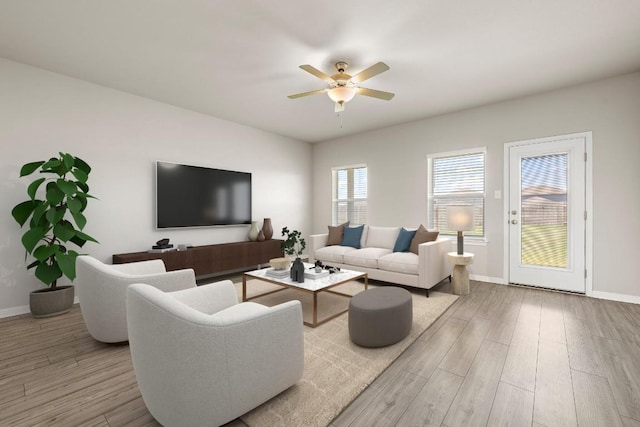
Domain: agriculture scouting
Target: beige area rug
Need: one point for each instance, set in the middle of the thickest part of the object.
(336, 371)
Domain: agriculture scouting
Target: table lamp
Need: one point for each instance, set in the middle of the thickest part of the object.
(460, 218)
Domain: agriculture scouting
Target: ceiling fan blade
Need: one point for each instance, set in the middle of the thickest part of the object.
(319, 74)
(313, 92)
(372, 71)
(387, 96)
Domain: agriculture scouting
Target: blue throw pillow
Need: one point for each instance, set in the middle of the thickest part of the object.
(351, 236)
(403, 242)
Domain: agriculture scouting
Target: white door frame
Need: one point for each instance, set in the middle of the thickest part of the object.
(588, 136)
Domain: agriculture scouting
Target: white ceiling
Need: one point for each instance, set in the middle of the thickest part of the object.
(238, 59)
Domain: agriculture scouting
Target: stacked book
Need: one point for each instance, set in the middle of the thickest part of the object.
(311, 274)
(279, 274)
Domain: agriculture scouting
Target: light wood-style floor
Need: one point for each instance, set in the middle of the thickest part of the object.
(500, 356)
(506, 355)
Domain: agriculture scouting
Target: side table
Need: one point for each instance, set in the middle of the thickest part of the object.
(460, 273)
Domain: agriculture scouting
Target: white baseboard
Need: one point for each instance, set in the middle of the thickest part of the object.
(23, 309)
(616, 297)
(479, 278)
(594, 294)
(14, 311)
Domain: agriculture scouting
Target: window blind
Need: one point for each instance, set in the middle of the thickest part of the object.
(349, 195)
(456, 180)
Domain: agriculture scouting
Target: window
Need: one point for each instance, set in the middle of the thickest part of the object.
(349, 195)
(456, 179)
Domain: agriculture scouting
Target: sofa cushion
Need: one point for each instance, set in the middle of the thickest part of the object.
(403, 242)
(422, 236)
(335, 234)
(366, 257)
(382, 237)
(399, 262)
(329, 254)
(352, 236)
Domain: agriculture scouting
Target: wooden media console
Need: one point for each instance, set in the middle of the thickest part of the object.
(212, 259)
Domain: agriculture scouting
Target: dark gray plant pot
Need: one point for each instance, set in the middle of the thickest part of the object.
(48, 303)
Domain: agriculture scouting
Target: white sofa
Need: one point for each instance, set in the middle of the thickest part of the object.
(376, 258)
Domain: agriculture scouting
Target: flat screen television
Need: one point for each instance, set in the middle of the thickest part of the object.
(195, 196)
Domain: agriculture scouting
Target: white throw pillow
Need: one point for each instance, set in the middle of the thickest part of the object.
(382, 237)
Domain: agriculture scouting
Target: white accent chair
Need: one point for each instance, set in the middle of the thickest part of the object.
(102, 292)
(201, 358)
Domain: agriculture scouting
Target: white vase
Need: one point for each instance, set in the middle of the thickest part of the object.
(253, 231)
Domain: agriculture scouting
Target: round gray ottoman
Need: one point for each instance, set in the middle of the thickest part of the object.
(380, 316)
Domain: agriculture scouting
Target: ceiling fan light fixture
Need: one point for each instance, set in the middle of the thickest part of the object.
(342, 94)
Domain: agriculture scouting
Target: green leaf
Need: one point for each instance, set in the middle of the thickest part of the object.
(55, 215)
(54, 194)
(23, 211)
(83, 186)
(82, 165)
(67, 160)
(29, 168)
(33, 264)
(38, 214)
(33, 187)
(78, 241)
(31, 238)
(67, 263)
(48, 273)
(80, 219)
(85, 237)
(68, 187)
(52, 165)
(44, 252)
(74, 205)
(80, 175)
(83, 201)
(64, 231)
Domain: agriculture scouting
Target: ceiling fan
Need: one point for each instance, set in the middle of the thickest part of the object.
(343, 87)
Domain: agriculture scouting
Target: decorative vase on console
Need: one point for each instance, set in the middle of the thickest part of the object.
(253, 231)
(297, 271)
(261, 236)
(267, 229)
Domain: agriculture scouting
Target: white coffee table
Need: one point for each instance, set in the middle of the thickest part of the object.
(310, 286)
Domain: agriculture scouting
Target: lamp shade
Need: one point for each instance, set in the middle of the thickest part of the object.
(342, 94)
(460, 218)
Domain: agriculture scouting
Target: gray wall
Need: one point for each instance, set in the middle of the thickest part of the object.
(121, 136)
(397, 161)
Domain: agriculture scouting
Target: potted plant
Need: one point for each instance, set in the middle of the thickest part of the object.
(54, 214)
(294, 244)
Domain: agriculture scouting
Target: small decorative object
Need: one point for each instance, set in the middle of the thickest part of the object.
(54, 216)
(294, 243)
(297, 271)
(260, 236)
(267, 228)
(253, 231)
(280, 263)
(318, 266)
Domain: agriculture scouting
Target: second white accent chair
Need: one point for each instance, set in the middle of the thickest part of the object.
(102, 291)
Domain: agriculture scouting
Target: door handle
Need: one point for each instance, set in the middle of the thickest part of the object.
(514, 221)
